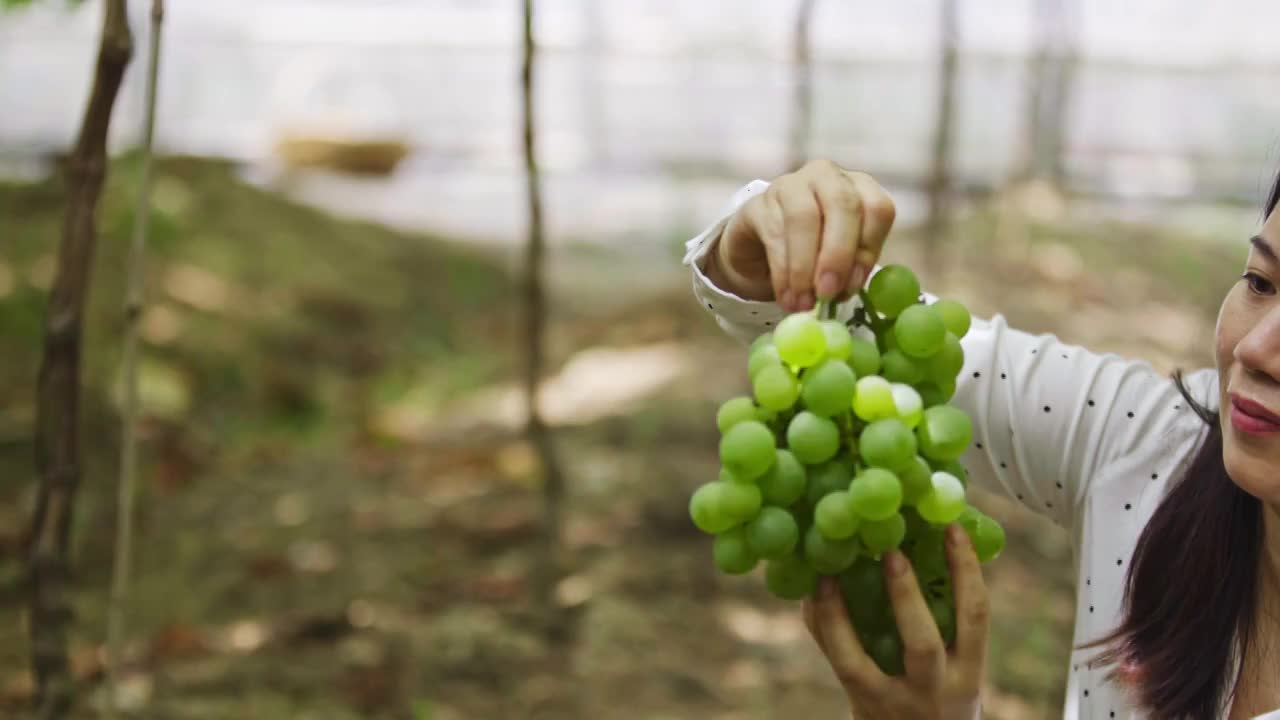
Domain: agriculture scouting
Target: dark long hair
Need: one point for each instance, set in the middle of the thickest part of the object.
(1191, 590)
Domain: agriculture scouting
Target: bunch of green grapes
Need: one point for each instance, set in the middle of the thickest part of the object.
(848, 449)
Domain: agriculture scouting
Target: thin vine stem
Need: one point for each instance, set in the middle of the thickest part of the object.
(136, 281)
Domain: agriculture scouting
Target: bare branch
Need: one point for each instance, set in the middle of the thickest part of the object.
(535, 323)
(939, 183)
(802, 100)
(57, 437)
(129, 437)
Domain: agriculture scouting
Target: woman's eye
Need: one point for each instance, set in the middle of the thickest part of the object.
(1258, 284)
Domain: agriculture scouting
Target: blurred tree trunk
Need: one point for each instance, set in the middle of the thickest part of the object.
(1059, 111)
(1049, 80)
(595, 127)
(802, 87)
(57, 437)
(135, 284)
(535, 325)
(939, 181)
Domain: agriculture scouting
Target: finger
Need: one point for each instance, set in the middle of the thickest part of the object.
(923, 652)
(973, 609)
(840, 644)
(878, 213)
(802, 224)
(766, 217)
(811, 622)
(841, 210)
(740, 253)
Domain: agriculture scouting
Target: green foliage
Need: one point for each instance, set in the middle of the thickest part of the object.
(273, 313)
(16, 4)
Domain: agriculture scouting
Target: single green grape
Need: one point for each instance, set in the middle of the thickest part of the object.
(909, 404)
(955, 316)
(887, 443)
(813, 439)
(928, 556)
(829, 477)
(834, 517)
(916, 526)
(760, 341)
(734, 411)
(944, 616)
(920, 331)
(944, 503)
(747, 449)
(865, 594)
(886, 650)
(839, 341)
(864, 357)
(953, 467)
(916, 478)
(732, 554)
(886, 340)
(875, 494)
(775, 388)
(893, 289)
(945, 365)
(790, 577)
(828, 388)
(988, 539)
(740, 502)
(873, 398)
(727, 477)
(800, 340)
(785, 481)
(880, 536)
(763, 357)
(705, 508)
(898, 368)
(829, 556)
(773, 533)
(944, 433)
(931, 394)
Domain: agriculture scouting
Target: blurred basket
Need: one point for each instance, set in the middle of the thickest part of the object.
(346, 155)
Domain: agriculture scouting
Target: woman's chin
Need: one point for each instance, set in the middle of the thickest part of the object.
(1252, 466)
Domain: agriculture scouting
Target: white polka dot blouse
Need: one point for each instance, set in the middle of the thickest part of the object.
(1089, 440)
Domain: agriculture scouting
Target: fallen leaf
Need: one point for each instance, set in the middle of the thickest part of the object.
(178, 640)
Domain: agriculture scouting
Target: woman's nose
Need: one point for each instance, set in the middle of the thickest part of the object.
(1259, 349)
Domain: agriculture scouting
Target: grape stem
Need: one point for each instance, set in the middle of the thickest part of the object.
(872, 316)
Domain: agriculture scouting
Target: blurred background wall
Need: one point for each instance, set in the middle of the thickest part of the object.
(650, 112)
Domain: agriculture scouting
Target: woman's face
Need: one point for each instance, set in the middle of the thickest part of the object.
(1248, 353)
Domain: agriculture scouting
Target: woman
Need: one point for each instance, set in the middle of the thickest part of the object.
(1173, 506)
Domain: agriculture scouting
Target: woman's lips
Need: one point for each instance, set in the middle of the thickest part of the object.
(1252, 417)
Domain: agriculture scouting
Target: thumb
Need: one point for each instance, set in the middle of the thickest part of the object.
(752, 251)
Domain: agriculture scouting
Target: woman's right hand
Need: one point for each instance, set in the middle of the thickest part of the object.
(814, 233)
(938, 684)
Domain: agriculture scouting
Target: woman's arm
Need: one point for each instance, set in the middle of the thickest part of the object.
(1049, 417)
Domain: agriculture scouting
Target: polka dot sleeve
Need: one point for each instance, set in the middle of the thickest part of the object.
(1049, 417)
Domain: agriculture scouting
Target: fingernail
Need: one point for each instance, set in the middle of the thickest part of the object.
(957, 536)
(788, 300)
(895, 563)
(806, 300)
(857, 278)
(828, 284)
